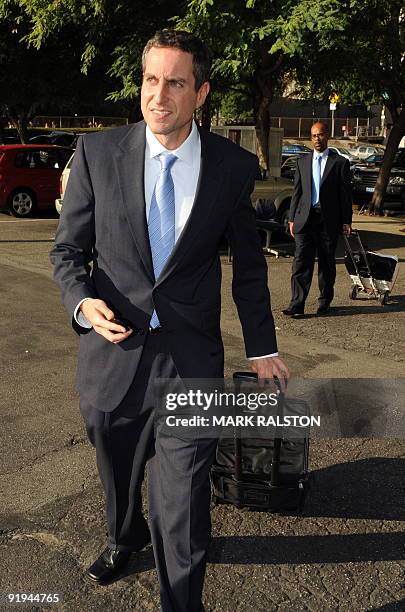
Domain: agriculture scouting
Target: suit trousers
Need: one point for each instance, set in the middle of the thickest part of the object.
(178, 483)
(311, 241)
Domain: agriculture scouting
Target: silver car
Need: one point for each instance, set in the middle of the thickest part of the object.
(62, 185)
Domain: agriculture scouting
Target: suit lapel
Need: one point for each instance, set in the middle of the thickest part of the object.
(307, 162)
(129, 164)
(329, 164)
(209, 183)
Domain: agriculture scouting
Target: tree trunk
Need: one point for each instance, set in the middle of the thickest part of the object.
(394, 138)
(21, 126)
(262, 121)
(206, 113)
(20, 121)
(2, 129)
(262, 89)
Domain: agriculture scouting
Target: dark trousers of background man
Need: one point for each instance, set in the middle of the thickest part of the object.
(311, 241)
(178, 483)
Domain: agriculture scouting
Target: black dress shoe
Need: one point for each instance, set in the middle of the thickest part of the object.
(293, 312)
(323, 310)
(109, 565)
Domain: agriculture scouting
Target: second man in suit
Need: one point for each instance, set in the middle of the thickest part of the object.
(320, 210)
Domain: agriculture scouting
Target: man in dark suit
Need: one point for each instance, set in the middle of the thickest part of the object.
(320, 210)
(136, 257)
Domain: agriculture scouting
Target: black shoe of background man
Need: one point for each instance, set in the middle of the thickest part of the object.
(294, 313)
(323, 310)
(108, 567)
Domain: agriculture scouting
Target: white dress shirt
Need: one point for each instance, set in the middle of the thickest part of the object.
(324, 156)
(185, 172)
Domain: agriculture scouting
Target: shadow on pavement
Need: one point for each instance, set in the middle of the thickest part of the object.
(142, 562)
(367, 489)
(395, 606)
(275, 550)
(374, 241)
(396, 303)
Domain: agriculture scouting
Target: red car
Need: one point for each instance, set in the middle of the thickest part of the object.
(29, 177)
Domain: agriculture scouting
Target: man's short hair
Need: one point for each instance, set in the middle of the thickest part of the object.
(323, 124)
(179, 39)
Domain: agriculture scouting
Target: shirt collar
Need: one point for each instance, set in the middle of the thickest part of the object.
(323, 154)
(185, 151)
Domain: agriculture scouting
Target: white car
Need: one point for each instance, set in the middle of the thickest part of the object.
(363, 151)
(62, 185)
(347, 153)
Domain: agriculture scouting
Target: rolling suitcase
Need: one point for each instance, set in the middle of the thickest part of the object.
(261, 474)
(372, 274)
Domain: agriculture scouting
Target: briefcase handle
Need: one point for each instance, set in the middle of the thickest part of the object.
(251, 377)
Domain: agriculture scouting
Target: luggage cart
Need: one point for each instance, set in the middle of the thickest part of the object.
(372, 274)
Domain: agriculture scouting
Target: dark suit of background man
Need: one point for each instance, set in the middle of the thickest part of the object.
(147, 205)
(320, 210)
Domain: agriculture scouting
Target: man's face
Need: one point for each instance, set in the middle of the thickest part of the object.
(319, 137)
(168, 95)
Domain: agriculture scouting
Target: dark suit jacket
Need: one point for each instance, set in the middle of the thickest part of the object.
(335, 193)
(102, 251)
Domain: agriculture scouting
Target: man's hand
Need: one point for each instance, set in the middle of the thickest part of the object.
(101, 318)
(291, 228)
(270, 367)
(347, 229)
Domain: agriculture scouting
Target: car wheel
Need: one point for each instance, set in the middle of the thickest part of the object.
(384, 298)
(283, 218)
(22, 203)
(353, 293)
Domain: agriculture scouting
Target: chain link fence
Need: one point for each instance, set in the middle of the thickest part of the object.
(300, 127)
(84, 121)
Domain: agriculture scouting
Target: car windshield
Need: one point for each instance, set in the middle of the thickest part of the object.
(295, 147)
(343, 150)
(372, 158)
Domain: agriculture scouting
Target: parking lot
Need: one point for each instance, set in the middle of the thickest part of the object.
(344, 553)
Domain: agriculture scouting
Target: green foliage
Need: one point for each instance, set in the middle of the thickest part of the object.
(356, 47)
(48, 78)
(113, 33)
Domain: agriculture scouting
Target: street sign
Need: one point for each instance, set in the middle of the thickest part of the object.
(332, 106)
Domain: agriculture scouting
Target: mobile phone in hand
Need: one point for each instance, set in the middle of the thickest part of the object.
(123, 322)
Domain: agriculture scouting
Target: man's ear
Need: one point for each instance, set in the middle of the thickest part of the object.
(203, 93)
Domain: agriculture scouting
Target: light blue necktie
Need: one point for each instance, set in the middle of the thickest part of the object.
(162, 220)
(316, 181)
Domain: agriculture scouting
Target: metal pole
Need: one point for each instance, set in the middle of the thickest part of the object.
(299, 127)
(357, 129)
(333, 124)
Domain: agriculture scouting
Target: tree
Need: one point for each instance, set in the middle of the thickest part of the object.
(242, 59)
(355, 47)
(46, 79)
(243, 65)
(110, 33)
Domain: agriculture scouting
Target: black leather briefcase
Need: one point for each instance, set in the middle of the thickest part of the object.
(261, 474)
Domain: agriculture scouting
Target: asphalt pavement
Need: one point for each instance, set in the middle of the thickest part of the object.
(346, 552)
